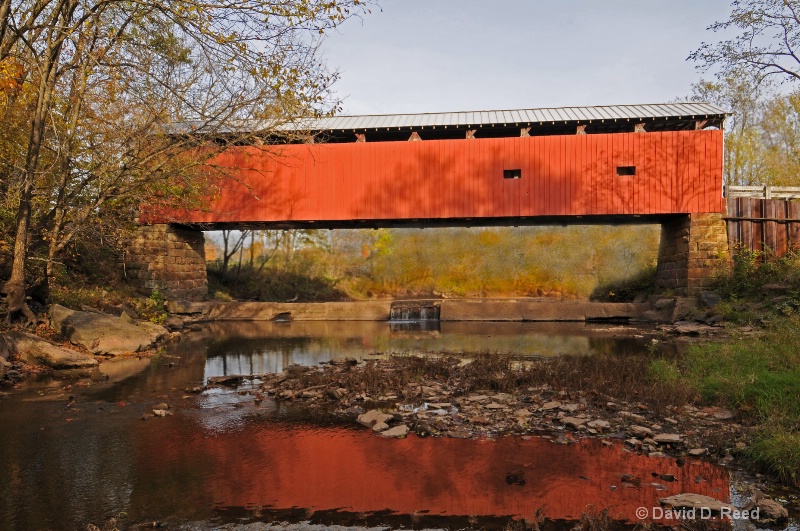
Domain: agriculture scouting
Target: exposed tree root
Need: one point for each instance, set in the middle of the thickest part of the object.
(15, 302)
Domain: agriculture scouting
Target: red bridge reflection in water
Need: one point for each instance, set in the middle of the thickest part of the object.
(279, 466)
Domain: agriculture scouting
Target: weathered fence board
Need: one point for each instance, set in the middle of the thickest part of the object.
(764, 192)
(794, 228)
(771, 226)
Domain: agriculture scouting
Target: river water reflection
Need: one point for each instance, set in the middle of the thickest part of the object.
(259, 347)
(222, 458)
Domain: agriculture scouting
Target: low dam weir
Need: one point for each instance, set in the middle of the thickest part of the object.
(415, 311)
(408, 316)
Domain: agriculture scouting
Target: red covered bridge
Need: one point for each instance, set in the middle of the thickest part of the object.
(615, 164)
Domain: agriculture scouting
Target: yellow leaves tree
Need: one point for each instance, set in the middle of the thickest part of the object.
(129, 99)
(781, 133)
(760, 51)
(763, 135)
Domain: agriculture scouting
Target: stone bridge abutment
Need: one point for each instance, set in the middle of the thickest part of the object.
(169, 259)
(693, 248)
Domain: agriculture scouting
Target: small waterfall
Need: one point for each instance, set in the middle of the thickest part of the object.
(428, 313)
(414, 311)
(414, 315)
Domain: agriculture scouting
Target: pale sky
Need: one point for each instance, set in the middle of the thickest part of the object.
(462, 55)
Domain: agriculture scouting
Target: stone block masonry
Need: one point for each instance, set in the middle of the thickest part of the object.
(170, 259)
(694, 247)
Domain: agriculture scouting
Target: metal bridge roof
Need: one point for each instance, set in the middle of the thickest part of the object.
(545, 115)
(538, 121)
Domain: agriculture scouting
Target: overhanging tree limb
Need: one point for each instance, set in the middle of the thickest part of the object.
(769, 35)
(113, 78)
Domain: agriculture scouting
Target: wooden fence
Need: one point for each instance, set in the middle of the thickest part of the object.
(769, 226)
(764, 192)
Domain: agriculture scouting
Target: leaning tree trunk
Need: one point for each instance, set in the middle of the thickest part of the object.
(15, 287)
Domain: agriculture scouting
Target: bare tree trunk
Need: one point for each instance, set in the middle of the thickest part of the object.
(15, 287)
(252, 250)
(225, 255)
(76, 98)
(239, 268)
(271, 253)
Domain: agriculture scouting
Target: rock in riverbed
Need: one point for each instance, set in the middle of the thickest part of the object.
(397, 432)
(230, 380)
(33, 349)
(640, 431)
(694, 501)
(771, 511)
(373, 417)
(599, 425)
(668, 438)
(103, 333)
(573, 422)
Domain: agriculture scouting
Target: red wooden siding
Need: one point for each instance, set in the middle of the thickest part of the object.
(676, 172)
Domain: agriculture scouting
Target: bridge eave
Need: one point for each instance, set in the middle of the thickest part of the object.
(425, 223)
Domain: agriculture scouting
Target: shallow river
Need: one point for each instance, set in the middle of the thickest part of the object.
(76, 452)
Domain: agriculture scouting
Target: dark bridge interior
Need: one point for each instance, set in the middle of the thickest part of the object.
(430, 223)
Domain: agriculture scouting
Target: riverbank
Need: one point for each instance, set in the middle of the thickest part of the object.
(68, 340)
(759, 376)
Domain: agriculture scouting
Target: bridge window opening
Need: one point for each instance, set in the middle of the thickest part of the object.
(512, 174)
(626, 170)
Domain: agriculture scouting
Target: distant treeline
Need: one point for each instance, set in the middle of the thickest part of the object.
(573, 262)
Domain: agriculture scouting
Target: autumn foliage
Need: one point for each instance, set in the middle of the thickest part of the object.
(571, 262)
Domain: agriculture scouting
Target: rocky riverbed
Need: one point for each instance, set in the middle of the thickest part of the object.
(492, 396)
(444, 397)
(433, 397)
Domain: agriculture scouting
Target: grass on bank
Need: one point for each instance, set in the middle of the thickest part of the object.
(757, 376)
(760, 377)
(759, 288)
